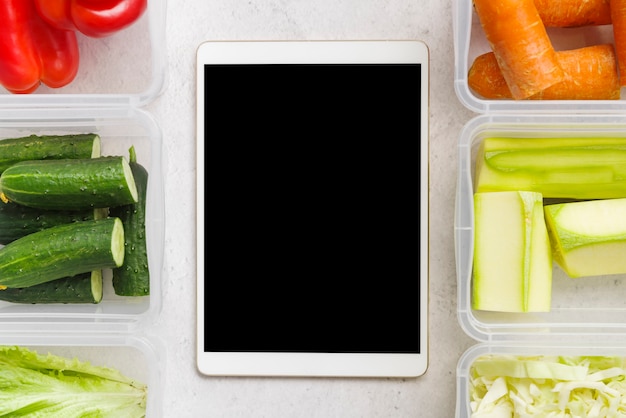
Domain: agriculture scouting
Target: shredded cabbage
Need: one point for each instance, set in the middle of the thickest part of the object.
(37, 386)
(505, 386)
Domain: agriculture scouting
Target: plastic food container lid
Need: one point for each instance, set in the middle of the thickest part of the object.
(470, 41)
(127, 68)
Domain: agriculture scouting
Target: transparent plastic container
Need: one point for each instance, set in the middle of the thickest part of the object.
(586, 310)
(119, 129)
(470, 41)
(135, 357)
(589, 305)
(588, 315)
(118, 75)
(127, 68)
(580, 348)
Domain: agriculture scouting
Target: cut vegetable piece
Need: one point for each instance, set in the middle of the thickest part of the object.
(521, 45)
(512, 269)
(485, 78)
(45, 147)
(538, 296)
(60, 251)
(69, 184)
(576, 168)
(588, 238)
(573, 13)
(590, 74)
(133, 278)
(527, 368)
(17, 221)
(573, 389)
(618, 18)
(82, 288)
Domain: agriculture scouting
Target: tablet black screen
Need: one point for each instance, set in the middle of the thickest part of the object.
(312, 208)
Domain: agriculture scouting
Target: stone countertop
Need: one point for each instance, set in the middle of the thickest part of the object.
(186, 392)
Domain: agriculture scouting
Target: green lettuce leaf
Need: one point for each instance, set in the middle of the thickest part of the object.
(37, 385)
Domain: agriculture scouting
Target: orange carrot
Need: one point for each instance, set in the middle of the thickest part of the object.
(521, 45)
(573, 13)
(618, 16)
(590, 74)
(486, 79)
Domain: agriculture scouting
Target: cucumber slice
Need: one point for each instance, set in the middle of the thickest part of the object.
(61, 251)
(44, 147)
(82, 288)
(69, 184)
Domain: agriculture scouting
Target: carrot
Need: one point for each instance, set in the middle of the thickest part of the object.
(486, 79)
(618, 16)
(521, 45)
(590, 74)
(573, 13)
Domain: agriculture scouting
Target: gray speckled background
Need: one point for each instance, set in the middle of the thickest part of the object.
(187, 393)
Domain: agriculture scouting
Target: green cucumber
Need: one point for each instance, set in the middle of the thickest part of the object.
(43, 147)
(61, 251)
(82, 288)
(133, 278)
(70, 184)
(17, 221)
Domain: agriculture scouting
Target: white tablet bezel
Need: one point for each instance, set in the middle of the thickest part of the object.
(313, 364)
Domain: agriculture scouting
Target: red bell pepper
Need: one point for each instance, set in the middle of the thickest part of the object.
(32, 51)
(95, 18)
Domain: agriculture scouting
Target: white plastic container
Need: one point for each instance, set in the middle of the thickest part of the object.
(118, 75)
(588, 315)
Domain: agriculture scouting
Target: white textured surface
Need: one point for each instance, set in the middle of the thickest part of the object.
(186, 392)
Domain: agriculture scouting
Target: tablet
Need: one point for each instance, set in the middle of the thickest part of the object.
(312, 208)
